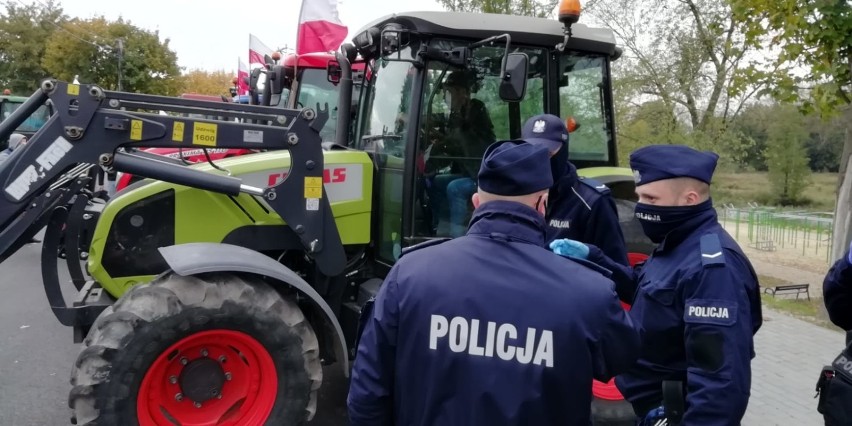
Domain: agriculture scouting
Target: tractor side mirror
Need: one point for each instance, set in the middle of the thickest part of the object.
(513, 87)
(333, 72)
(277, 79)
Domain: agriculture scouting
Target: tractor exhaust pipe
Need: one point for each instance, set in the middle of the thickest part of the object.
(181, 175)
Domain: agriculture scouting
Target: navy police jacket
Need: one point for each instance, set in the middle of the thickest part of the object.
(583, 210)
(489, 329)
(696, 302)
(837, 293)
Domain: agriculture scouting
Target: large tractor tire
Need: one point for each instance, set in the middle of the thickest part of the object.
(211, 349)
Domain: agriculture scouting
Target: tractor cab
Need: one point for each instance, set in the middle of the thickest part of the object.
(445, 85)
(310, 85)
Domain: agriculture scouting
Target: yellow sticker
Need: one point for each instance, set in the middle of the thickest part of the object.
(136, 130)
(204, 134)
(74, 89)
(313, 187)
(177, 131)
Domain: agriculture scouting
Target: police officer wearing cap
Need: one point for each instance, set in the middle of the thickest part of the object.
(578, 208)
(695, 299)
(491, 328)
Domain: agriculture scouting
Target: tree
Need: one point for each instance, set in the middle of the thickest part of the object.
(24, 31)
(540, 8)
(207, 82)
(786, 156)
(687, 53)
(93, 53)
(816, 34)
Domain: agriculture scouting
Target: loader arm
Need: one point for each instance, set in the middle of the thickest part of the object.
(92, 127)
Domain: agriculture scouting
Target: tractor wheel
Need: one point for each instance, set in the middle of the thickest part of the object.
(211, 349)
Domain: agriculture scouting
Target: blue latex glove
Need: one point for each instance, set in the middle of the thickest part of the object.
(570, 248)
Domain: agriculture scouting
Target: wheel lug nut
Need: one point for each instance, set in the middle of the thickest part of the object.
(197, 405)
(227, 376)
(172, 379)
(222, 359)
(178, 397)
(204, 352)
(184, 361)
(219, 396)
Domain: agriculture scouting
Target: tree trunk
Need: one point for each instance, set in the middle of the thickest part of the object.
(842, 234)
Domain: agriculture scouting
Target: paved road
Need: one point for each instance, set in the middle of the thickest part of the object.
(36, 353)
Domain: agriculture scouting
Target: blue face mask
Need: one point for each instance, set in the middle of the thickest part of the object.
(658, 221)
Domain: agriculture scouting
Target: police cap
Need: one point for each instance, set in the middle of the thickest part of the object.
(656, 162)
(547, 130)
(515, 167)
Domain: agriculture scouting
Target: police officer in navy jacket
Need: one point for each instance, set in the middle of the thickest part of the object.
(491, 328)
(837, 291)
(695, 299)
(577, 208)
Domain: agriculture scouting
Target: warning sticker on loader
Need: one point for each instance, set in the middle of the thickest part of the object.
(204, 134)
(74, 89)
(313, 187)
(136, 130)
(177, 131)
(312, 204)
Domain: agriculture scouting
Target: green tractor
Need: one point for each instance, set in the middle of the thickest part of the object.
(9, 103)
(213, 293)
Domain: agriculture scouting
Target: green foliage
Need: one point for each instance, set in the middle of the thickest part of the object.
(786, 156)
(148, 65)
(816, 34)
(24, 30)
(540, 8)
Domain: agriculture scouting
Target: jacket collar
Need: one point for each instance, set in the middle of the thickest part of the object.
(690, 227)
(509, 221)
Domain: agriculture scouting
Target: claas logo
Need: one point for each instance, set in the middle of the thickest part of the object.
(337, 175)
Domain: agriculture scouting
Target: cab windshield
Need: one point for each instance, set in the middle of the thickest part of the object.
(582, 85)
(315, 91)
(33, 123)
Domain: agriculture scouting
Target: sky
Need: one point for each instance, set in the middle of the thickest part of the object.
(211, 35)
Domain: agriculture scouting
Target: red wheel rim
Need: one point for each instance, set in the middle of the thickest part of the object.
(608, 390)
(246, 397)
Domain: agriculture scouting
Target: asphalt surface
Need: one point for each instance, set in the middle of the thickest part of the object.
(37, 352)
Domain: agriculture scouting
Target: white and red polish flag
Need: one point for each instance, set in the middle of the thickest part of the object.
(320, 27)
(257, 50)
(242, 77)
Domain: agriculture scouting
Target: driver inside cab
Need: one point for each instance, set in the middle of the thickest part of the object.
(466, 134)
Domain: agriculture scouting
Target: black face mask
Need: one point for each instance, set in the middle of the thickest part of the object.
(658, 221)
(559, 163)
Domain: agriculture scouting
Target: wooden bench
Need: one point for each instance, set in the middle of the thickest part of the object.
(791, 288)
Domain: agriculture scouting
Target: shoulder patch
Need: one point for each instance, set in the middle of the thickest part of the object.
(596, 185)
(424, 244)
(711, 251)
(710, 311)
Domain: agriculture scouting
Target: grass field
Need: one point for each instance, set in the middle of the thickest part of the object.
(741, 188)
